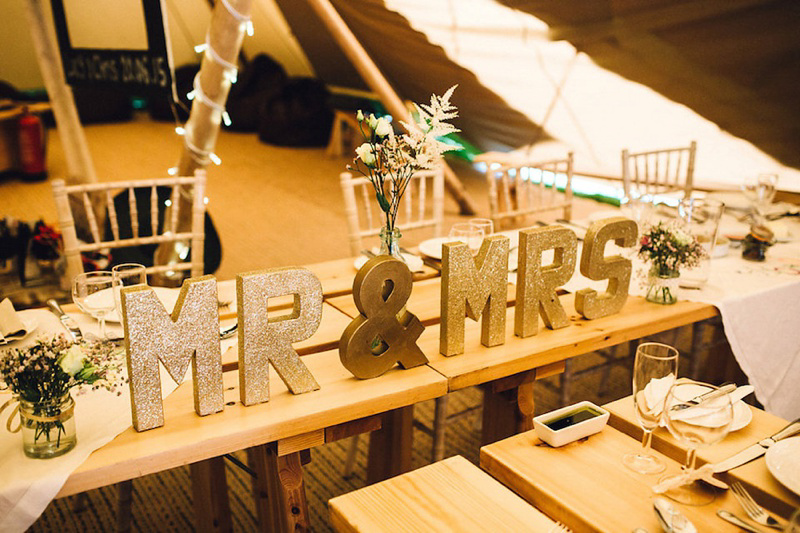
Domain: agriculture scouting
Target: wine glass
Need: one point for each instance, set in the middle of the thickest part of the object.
(654, 371)
(696, 421)
(126, 275)
(484, 224)
(760, 190)
(471, 235)
(93, 293)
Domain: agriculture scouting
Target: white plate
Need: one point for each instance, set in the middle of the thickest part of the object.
(30, 324)
(742, 414)
(783, 462)
(414, 263)
(433, 247)
(167, 296)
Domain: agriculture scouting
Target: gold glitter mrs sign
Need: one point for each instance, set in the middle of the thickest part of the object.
(384, 333)
(473, 287)
(264, 339)
(595, 266)
(191, 334)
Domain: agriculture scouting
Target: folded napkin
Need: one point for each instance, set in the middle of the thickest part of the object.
(11, 326)
(656, 391)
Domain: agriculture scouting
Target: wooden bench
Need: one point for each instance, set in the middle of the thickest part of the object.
(451, 495)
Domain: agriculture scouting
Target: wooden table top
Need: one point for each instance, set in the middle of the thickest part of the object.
(479, 364)
(450, 495)
(754, 475)
(186, 438)
(585, 485)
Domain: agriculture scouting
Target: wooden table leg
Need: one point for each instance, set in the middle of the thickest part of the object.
(210, 495)
(499, 414)
(279, 489)
(390, 446)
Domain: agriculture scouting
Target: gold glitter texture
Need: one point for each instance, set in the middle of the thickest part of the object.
(384, 333)
(536, 285)
(190, 334)
(595, 266)
(263, 340)
(473, 287)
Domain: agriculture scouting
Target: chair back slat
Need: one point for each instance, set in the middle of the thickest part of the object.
(426, 211)
(112, 215)
(175, 207)
(134, 213)
(118, 238)
(526, 189)
(659, 171)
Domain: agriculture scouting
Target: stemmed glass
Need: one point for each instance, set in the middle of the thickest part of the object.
(703, 423)
(126, 275)
(471, 235)
(760, 190)
(654, 371)
(93, 293)
(484, 224)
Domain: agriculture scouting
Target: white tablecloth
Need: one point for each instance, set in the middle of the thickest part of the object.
(27, 486)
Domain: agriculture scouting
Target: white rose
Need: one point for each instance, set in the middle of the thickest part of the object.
(366, 155)
(682, 238)
(360, 116)
(372, 121)
(383, 128)
(72, 361)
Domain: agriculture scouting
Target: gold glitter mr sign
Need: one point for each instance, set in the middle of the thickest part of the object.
(190, 334)
(595, 266)
(384, 333)
(264, 340)
(473, 287)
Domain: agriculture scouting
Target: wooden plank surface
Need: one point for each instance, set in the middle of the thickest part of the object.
(479, 364)
(754, 475)
(187, 438)
(337, 275)
(585, 485)
(451, 495)
(424, 302)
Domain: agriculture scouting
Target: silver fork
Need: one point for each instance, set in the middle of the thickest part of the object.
(753, 510)
(558, 527)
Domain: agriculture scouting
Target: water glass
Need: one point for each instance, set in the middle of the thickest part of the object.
(126, 275)
(695, 424)
(93, 293)
(654, 371)
(471, 235)
(700, 218)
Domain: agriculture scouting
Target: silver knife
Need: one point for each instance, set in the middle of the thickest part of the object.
(758, 449)
(735, 520)
(66, 320)
(697, 400)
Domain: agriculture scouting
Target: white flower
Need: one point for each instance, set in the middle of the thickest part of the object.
(366, 154)
(360, 116)
(372, 121)
(383, 128)
(72, 361)
(682, 238)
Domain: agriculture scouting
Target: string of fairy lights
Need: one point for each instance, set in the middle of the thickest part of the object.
(230, 71)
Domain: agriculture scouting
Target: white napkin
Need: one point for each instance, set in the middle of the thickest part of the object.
(656, 391)
(11, 325)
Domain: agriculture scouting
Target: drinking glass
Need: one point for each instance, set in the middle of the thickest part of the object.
(93, 293)
(700, 218)
(793, 526)
(760, 190)
(126, 275)
(654, 371)
(467, 233)
(695, 424)
(484, 224)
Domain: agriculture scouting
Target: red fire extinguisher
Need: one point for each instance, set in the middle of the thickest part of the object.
(31, 146)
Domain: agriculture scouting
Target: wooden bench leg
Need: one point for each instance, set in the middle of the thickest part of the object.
(124, 500)
(210, 495)
(439, 428)
(499, 414)
(390, 446)
(279, 489)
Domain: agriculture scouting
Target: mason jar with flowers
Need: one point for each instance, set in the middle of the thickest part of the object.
(389, 160)
(41, 377)
(667, 248)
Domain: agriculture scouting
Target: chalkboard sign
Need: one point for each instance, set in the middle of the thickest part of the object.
(120, 43)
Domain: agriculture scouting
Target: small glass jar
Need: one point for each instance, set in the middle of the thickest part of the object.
(755, 244)
(662, 288)
(390, 243)
(48, 428)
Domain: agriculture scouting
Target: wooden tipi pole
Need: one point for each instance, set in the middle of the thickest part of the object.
(378, 83)
(76, 151)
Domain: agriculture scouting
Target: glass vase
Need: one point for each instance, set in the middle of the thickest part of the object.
(390, 243)
(48, 428)
(662, 288)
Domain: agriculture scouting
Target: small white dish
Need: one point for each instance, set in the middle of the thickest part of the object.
(783, 462)
(742, 414)
(557, 429)
(30, 324)
(414, 263)
(433, 247)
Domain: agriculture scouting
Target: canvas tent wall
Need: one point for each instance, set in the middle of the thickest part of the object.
(517, 86)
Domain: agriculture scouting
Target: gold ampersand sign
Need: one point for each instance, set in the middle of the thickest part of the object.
(384, 333)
